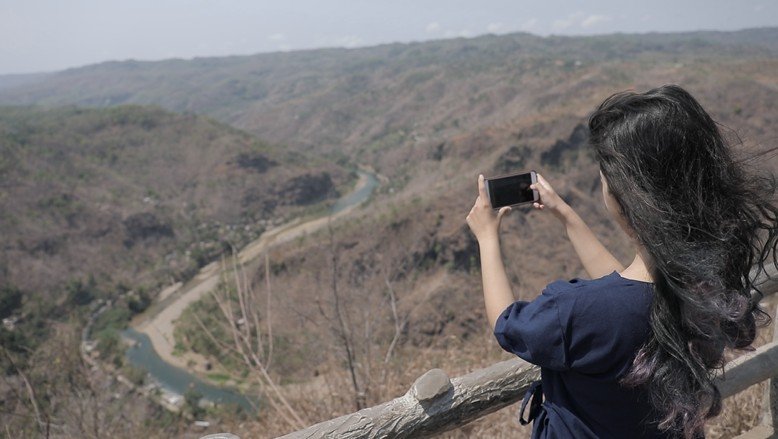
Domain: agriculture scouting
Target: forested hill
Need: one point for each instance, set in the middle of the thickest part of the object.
(136, 196)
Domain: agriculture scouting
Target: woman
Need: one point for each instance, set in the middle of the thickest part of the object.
(633, 351)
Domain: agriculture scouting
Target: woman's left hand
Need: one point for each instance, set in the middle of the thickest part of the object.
(482, 219)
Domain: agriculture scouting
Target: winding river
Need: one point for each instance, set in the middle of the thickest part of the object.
(175, 380)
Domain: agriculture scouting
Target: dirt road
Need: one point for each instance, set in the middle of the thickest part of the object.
(160, 323)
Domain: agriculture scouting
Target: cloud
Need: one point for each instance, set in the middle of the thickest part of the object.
(529, 24)
(579, 20)
(276, 37)
(349, 41)
(494, 27)
(561, 24)
(433, 27)
(464, 33)
(594, 20)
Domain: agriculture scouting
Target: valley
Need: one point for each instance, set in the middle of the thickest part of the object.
(142, 176)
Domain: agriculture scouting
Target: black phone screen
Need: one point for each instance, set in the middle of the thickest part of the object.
(507, 191)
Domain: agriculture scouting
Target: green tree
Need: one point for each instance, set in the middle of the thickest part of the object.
(10, 300)
(136, 375)
(80, 293)
(139, 301)
(110, 346)
(192, 402)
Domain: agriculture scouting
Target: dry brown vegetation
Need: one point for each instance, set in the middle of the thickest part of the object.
(362, 309)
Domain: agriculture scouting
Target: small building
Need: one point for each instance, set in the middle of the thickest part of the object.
(9, 323)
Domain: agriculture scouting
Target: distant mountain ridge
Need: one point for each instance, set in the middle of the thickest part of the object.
(320, 99)
(763, 37)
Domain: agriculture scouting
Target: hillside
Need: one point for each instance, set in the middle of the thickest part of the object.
(135, 196)
(394, 289)
(357, 104)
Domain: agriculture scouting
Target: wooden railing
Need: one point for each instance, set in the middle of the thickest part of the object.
(435, 403)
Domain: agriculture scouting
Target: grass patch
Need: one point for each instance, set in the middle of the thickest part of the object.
(220, 378)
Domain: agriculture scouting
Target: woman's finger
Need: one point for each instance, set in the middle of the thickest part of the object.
(545, 184)
(540, 188)
(482, 190)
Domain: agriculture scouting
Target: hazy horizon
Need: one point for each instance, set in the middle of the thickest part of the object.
(45, 36)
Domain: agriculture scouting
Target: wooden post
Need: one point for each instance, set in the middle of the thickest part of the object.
(769, 414)
(770, 401)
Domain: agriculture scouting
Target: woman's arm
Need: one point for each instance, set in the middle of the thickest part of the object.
(485, 225)
(596, 259)
(497, 289)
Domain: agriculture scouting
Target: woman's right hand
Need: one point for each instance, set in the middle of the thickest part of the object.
(549, 200)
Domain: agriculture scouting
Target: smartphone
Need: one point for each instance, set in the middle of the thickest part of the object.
(510, 190)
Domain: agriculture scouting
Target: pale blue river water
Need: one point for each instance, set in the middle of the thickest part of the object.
(143, 356)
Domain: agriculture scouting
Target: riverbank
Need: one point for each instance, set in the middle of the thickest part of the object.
(159, 324)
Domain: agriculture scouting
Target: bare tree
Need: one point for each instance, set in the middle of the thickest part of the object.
(242, 321)
(372, 295)
(343, 330)
(56, 393)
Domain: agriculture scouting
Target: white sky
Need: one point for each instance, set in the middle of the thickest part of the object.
(47, 35)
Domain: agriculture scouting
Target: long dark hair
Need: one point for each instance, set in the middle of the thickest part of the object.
(705, 219)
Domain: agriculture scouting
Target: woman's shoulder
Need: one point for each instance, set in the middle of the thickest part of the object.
(609, 281)
(611, 290)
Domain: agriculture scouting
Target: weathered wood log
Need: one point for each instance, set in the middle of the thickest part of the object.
(747, 370)
(759, 432)
(433, 404)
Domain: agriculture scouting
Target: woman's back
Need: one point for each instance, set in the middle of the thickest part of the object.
(584, 334)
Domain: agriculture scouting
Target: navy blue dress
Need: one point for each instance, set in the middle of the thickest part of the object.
(584, 335)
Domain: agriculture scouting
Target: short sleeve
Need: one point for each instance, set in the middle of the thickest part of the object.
(532, 331)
